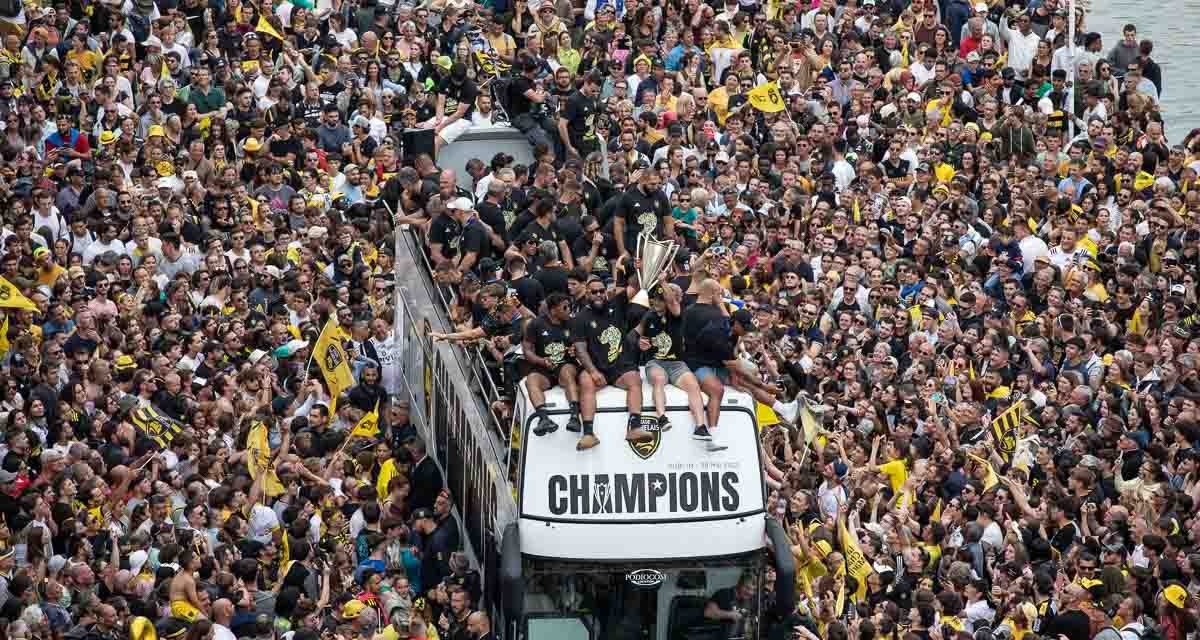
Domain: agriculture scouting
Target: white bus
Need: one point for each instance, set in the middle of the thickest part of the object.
(632, 540)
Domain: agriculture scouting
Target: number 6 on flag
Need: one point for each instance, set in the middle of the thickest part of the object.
(766, 97)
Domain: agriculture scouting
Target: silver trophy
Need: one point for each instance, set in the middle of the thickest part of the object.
(655, 256)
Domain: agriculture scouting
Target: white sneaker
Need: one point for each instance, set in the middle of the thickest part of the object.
(791, 411)
(716, 443)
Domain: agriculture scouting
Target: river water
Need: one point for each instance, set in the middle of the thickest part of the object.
(1172, 28)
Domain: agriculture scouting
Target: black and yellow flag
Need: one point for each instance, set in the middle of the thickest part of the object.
(155, 424)
(1005, 428)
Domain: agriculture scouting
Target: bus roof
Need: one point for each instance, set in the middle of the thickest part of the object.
(672, 498)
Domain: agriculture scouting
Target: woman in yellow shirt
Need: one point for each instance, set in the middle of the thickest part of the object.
(88, 60)
(719, 98)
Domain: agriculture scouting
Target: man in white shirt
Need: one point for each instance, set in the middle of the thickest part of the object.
(222, 617)
(1022, 44)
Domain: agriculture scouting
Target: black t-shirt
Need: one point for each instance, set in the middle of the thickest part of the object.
(552, 279)
(283, 147)
(535, 229)
(490, 213)
(475, 240)
(665, 333)
(699, 349)
(604, 332)
(602, 264)
(464, 93)
(329, 92)
(642, 212)
(447, 232)
(529, 291)
(580, 113)
(517, 101)
(550, 341)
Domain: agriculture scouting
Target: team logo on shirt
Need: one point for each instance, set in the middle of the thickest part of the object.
(647, 220)
(611, 338)
(555, 352)
(662, 345)
(646, 449)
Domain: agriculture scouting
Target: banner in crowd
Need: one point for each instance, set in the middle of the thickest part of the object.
(334, 364)
(155, 424)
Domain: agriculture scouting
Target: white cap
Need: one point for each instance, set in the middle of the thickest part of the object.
(137, 560)
(257, 355)
(273, 271)
(981, 7)
(721, 157)
(461, 204)
(165, 183)
(914, 96)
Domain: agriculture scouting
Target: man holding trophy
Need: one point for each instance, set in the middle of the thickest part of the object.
(643, 209)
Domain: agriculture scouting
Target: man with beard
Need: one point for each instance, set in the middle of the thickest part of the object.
(643, 209)
(455, 99)
(547, 339)
(600, 347)
(576, 125)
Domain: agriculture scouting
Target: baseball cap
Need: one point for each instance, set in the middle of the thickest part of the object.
(1175, 595)
(461, 204)
(422, 514)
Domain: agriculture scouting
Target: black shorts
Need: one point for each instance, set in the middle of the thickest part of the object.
(613, 373)
(551, 375)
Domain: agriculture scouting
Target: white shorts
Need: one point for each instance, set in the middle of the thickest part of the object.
(452, 131)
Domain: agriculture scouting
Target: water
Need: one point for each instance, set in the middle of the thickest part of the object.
(1171, 26)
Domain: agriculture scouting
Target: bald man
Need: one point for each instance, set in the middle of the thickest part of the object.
(222, 616)
(479, 626)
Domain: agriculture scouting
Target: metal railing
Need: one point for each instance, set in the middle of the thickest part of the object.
(442, 393)
(472, 357)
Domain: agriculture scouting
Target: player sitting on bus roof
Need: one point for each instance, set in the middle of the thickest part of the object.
(545, 350)
(710, 337)
(661, 339)
(605, 358)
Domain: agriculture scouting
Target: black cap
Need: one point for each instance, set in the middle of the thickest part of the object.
(744, 318)
(420, 514)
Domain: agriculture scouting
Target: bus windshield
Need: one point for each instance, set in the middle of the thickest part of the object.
(573, 602)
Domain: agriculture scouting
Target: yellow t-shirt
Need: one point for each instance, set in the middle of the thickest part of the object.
(896, 472)
(48, 278)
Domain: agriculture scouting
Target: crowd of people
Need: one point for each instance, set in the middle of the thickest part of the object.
(951, 254)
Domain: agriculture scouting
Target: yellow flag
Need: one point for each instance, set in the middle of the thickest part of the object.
(368, 425)
(258, 459)
(856, 562)
(4, 344)
(857, 212)
(809, 424)
(1004, 430)
(765, 415)
(766, 97)
(335, 366)
(12, 298)
(264, 26)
